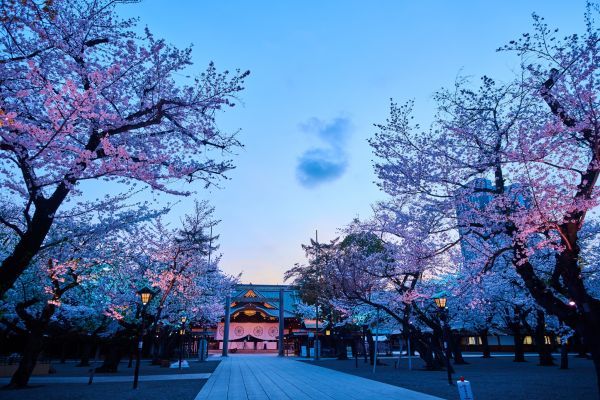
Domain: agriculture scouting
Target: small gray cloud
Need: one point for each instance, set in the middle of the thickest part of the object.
(326, 163)
(318, 166)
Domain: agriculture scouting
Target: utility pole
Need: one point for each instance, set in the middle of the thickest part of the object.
(210, 245)
(316, 331)
(226, 326)
(281, 342)
(317, 305)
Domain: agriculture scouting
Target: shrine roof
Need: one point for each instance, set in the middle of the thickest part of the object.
(250, 293)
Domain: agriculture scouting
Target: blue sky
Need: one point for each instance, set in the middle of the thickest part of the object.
(322, 73)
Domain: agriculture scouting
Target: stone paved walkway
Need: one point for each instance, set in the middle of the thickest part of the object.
(250, 377)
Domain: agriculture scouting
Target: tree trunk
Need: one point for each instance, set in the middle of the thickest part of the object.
(456, 350)
(162, 348)
(171, 347)
(342, 352)
(440, 359)
(157, 336)
(544, 351)
(485, 344)
(29, 244)
(580, 345)
(112, 359)
(564, 355)
(63, 351)
(132, 350)
(33, 348)
(43, 217)
(424, 345)
(519, 350)
(167, 347)
(85, 353)
(426, 355)
(441, 353)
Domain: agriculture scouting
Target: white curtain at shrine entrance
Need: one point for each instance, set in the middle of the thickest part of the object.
(269, 332)
(240, 330)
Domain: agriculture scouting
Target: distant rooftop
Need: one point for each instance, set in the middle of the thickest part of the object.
(259, 292)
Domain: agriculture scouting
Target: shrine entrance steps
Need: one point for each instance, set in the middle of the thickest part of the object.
(268, 377)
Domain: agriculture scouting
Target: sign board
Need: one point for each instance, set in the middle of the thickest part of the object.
(464, 390)
(303, 351)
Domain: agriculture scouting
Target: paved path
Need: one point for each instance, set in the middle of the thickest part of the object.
(242, 377)
(103, 379)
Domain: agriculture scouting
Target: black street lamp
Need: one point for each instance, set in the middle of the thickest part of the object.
(181, 333)
(440, 302)
(145, 295)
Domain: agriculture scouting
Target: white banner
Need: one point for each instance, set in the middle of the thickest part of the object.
(238, 330)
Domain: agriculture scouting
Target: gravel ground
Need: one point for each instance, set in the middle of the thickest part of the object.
(156, 390)
(150, 390)
(70, 369)
(498, 378)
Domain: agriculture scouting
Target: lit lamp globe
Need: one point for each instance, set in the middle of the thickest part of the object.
(440, 300)
(145, 295)
(183, 319)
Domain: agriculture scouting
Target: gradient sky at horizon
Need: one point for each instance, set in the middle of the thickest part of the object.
(322, 73)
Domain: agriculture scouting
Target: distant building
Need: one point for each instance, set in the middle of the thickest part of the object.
(471, 209)
(471, 203)
(254, 317)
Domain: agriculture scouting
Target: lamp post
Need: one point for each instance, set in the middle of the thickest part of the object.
(364, 338)
(408, 348)
(440, 302)
(203, 344)
(145, 295)
(156, 337)
(181, 333)
(375, 350)
(316, 331)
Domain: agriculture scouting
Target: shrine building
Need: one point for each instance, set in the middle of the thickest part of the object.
(254, 317)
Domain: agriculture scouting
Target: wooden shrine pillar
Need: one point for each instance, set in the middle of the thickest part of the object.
(281, 323)
(226, 331)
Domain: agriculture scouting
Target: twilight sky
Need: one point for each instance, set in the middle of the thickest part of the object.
(322, 73)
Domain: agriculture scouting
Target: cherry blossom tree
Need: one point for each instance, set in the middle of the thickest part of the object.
(363, 270)
(77, 251)
(536, 141)
(84, 97)
(175, 263)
